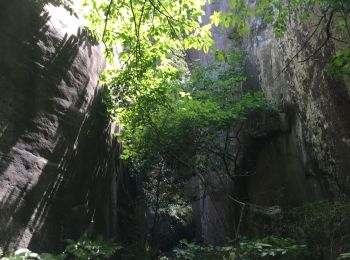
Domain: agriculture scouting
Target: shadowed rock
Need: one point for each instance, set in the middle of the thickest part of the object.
(57, 151)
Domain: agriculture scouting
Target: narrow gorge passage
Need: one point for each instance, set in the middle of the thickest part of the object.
(183, 129)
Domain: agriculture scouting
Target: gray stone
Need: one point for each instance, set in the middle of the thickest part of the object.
(306, 158)
(57, 150)
(312, 156)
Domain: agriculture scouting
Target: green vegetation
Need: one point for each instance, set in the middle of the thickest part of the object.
(344, 256)
(152, 37)
(324, 226)
(315, 230)
(196, 134)
(340, 64)
(146, 43)
(330, 22)
(83, 249)
(181, 120)
(271, 247)
(210, 104)
(21, 254)
(87, 249)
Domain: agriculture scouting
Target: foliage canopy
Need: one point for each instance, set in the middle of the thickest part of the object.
(152, 36)
(146, 43)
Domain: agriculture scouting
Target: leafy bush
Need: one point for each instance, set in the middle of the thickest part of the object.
(84, 249)
(271, 247)
(344, 256)
(87, 249)
(323, 225)
(198, 111)
(340, 64)
(192, 251)
(21, 254)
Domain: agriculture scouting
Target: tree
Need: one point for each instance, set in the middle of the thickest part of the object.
(152, 36)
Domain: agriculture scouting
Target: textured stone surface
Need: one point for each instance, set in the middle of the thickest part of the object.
(56, 147)
(308, 160)
(312, 161)
(213, 211)
(220, 35)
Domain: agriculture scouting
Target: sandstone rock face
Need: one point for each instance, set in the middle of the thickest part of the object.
(312, 160)
(213, 212)
(220, 35)
(57, 153)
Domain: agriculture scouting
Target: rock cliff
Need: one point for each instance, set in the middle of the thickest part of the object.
(57, 150)
(308, 160)
(311, 161)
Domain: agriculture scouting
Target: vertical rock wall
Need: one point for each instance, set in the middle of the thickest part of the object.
(308, 161)
(213, 211)
(312, 160)
(57, 151)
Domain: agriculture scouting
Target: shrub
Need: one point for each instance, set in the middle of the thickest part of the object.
(271, 247)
